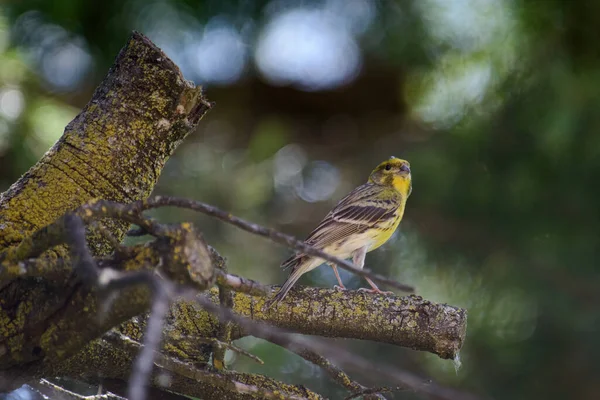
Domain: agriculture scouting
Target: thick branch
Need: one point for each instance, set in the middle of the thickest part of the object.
(409, 321)
(55, 335)
(341, 357)
(114, 149)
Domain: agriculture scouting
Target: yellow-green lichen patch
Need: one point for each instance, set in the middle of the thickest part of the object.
(12, 325)
(114, 149)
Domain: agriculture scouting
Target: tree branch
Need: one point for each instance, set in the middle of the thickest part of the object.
(114, 149)
(422, 325)
(410, 321)
(276, 236)
(111, 358)
(336, 373)
(338, 355)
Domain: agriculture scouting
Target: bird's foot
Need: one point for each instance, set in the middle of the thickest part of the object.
(378, 291)
(340, 288)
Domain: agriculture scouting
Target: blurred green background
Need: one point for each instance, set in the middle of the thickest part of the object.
(496, 104)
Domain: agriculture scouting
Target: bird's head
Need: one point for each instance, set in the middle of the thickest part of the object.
(393, 173)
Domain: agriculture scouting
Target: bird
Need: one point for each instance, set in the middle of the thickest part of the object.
(361, 222)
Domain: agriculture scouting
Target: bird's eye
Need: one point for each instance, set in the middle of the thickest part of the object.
(388, 167)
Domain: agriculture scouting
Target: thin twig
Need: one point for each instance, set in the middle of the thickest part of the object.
(221, 380)
(230, 346)
(67, 393)
(41, 240)
(336, 373)
(241, 284)
(276, 236)
(368, 391)
(111, 279)
(145, 360)
(225, 327)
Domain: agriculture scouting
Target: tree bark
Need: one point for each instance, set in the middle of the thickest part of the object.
(114, 149)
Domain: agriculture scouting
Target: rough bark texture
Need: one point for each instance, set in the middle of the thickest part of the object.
(114, 149)
(403, 321)
(409, 321)
(103, 359)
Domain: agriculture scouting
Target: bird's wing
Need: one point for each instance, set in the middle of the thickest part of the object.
(355, 213)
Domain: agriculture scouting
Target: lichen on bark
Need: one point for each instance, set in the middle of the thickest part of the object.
(114, 149)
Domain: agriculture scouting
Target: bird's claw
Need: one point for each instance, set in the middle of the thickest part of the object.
(378, 291)
(340, 288)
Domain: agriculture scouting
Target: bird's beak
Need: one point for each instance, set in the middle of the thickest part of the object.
(405, 168)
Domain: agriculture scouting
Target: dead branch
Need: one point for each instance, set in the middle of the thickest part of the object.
(336, 373)
(338, 355)
(114, 149)
(276, 236)
(57, 392)
(111, 358)
(197, 264)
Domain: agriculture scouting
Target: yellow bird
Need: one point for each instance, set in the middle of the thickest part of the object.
(361, 222)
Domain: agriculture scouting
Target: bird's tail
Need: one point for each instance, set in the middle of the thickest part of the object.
(297, 272)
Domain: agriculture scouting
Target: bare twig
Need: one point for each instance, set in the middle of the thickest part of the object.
(230, 346)
(145, 359)
(227, 381)
(220, 379)
(75, 396)
(368, 391)
(41, 240)
(54, 234)
(336, 373)
(276, 236)
(241, 284)
(224, 333)
(109, 279)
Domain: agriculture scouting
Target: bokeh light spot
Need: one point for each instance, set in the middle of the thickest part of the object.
(310, 49)
(321, 179)
(12, 103)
